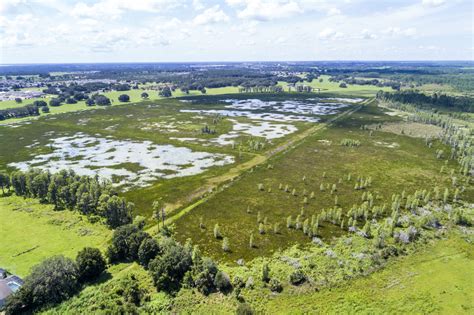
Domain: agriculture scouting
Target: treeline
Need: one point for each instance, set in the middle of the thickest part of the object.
(461, 103)
(67, 190)
(351, 80)
(18, 112)
(170, 264)
(195, 78)
(55, 280)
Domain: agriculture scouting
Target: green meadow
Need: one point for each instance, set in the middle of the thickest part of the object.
(333, 87)
(32, 232)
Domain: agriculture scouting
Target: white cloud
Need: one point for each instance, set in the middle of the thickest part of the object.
(265, 10)
(198, 5)
(212, 15)
(6, 5)
(366, 34)
(433, 3)
(397, 31)
(334, 11)
(115, 8)
(330, 34)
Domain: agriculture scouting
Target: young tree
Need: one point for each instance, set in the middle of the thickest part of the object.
(265, 273)
(217, 231)
(144, 95)
(276, 228)
(446, 195)
(225, 245)
(261, 228)
(367, 229)
(251, 241)
(201, 223)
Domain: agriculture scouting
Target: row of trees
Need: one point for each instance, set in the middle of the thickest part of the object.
(67, 190)
(170, 264)
(348, 79)
(18, 112)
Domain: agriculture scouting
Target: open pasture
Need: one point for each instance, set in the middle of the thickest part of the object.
(134, 94)
(32, 232)
(137, 145)
(309, 178)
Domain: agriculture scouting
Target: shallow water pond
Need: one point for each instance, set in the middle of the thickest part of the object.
(125, 162)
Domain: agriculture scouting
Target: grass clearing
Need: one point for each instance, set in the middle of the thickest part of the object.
(32, 232)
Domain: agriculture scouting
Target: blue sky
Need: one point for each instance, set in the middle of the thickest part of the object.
(44, 31)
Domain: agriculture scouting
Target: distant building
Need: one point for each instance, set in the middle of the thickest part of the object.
(8, 284)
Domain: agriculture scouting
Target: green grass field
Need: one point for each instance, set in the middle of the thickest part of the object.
(32, 232)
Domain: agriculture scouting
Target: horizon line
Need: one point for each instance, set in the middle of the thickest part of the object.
(234, 61)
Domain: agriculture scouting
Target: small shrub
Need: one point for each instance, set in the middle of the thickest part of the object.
(222, 282)
(238, 282)
(244, 309)
(297, 277)
(275, 286)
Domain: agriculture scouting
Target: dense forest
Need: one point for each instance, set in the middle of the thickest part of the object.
(462, 103)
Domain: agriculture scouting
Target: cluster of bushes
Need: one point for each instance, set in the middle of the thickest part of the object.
(165, 92)
(350, 142)
(24, 111)
(348, 79)
(55, 280)
(67, 190)
(170, 264)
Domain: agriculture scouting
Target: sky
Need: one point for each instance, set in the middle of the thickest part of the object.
(63, 31)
